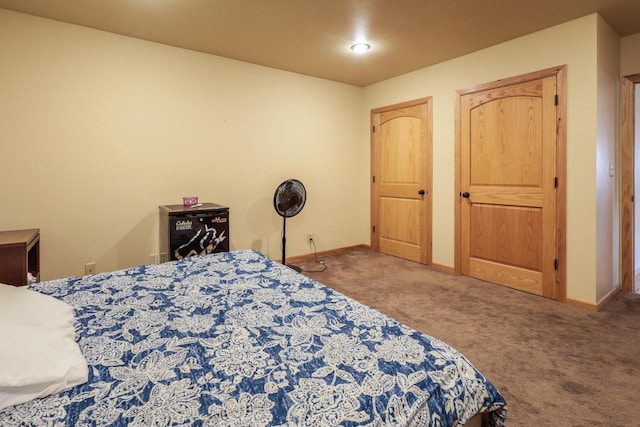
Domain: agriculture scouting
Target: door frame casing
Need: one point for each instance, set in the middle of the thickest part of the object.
(560, 73)
(427, 101)
(627, 182)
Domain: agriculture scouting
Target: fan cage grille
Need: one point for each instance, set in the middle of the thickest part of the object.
(289, 198)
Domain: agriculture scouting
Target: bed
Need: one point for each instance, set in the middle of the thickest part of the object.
(236, 339)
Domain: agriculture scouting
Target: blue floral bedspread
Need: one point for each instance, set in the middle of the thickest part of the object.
(235, 339)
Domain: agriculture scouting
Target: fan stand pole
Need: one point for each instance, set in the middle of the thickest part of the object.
(284, 239)
(284, 245)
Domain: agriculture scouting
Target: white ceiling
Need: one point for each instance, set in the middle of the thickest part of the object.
(313, 36)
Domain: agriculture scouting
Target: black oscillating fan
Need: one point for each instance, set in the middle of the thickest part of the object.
(289, 199)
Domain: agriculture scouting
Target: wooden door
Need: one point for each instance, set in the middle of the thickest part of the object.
(401, 180)
(628, 168)
(508, 185)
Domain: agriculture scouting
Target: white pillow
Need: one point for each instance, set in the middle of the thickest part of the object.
(38, 352)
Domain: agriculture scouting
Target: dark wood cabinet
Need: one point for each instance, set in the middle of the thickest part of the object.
(19, 256)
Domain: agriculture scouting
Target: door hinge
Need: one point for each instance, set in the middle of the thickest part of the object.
(374, 179)
(556, 100)
(555, 264)
(555, 182)
(374, 129)
(373, 228)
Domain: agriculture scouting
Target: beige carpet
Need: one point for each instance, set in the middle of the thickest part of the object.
(555, 364)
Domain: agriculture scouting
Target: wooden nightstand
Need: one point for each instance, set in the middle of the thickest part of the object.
(19, 255)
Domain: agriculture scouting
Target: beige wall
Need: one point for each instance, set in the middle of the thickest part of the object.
(630, 55)
(573, 44)
(607, 226)
(97, 130)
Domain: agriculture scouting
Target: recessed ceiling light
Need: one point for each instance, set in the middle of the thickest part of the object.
(360, 47)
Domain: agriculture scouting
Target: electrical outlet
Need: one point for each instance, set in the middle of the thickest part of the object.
(90, 268)
(153, 258)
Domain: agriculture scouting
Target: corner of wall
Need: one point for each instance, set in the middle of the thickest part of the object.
(607, 148)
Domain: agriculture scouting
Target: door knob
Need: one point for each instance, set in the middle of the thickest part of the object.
(421, 192)
(465, 195)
